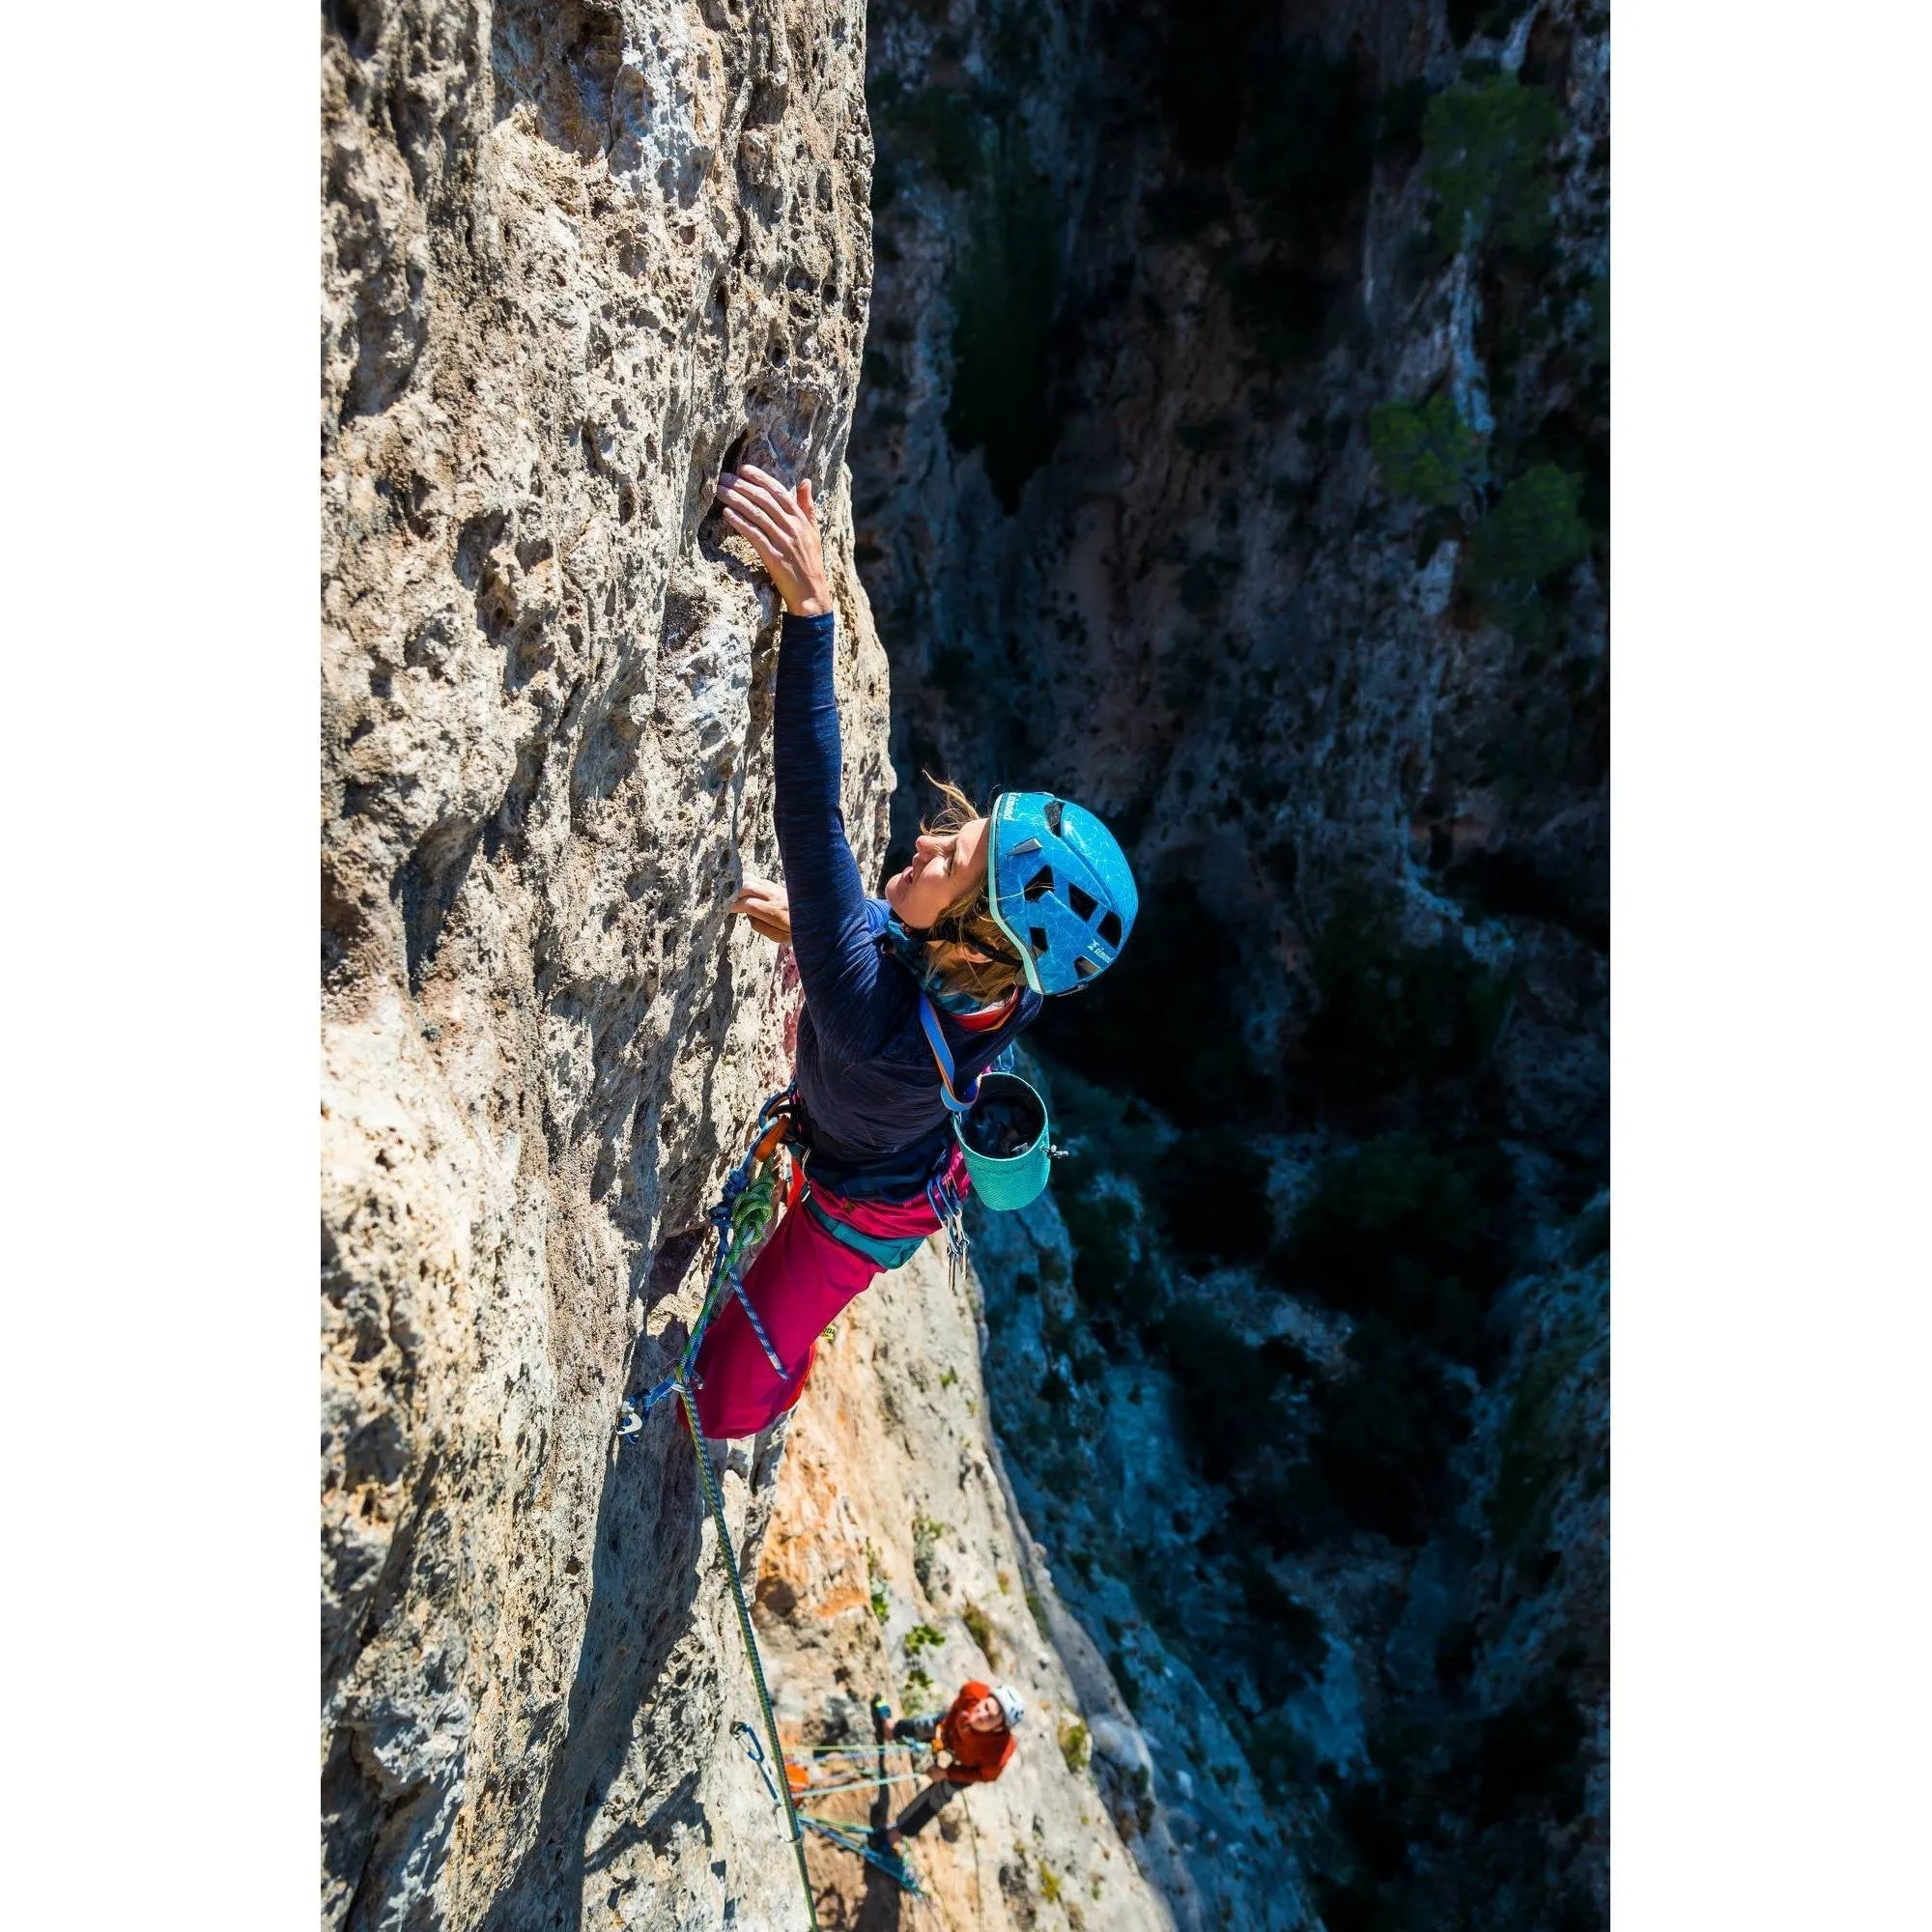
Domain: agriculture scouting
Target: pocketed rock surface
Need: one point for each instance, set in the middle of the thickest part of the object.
(572, 255)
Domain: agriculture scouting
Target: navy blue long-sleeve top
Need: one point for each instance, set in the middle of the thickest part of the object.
(875, 1124)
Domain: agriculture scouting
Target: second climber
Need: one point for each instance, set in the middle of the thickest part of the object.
(972, 1743)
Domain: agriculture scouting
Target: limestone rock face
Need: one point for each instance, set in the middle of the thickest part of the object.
(573, 255)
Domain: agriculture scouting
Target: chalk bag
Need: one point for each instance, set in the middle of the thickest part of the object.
(1004, 1135)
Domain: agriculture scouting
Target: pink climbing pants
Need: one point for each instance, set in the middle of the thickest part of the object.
(800, 1280)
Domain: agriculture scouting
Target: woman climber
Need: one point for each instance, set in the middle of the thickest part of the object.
(972, 1743)
(994, 912)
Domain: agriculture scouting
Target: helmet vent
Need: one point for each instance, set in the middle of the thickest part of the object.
(1084, 904)
(1037, 939)
(1052, 816)
(1110, 927)
(1039, 885)
(1024, 847)
(1084, 968)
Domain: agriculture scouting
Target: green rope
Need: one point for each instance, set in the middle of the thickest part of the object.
(853, 1750)
(869, 1783)
(716, 1504)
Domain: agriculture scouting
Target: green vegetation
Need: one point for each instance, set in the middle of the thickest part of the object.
(925, 1535)
(921, 1637)
(1395, 1016)
(1533, 533)
(1380, 1455)
(1428, 452)
(875, 1578)
(1038, 1611)
(1410, 1863)
(1211, 1192)
(1398, 1229)
(1075, 1746)
(1111, 1285)
(980, 1627)
(1486, 147)
(1226, 1386)
(1539, 1444)
(939, 127)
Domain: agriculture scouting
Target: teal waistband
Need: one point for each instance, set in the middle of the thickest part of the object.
(888, 1252)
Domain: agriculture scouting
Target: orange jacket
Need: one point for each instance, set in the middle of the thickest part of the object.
(978, 1756)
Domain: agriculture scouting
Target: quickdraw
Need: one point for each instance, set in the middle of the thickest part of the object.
(742, 1217)
(755, 1751)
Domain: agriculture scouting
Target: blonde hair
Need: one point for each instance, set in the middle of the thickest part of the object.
(968, 923)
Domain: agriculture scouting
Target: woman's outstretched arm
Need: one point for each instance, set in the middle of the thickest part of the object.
(838, 963)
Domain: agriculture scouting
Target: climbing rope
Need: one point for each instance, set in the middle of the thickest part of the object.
(714, 1503)
(855, 1751)
(895, 1868)
(869, 1783)
(742, 1217)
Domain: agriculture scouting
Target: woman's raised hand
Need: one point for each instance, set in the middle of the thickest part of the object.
(780, 525)
(767, 907)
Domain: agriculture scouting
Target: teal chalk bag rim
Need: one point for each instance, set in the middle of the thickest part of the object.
(1004, 1182)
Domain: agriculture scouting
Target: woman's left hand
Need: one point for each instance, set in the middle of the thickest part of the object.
(768, 907)
(780, 525)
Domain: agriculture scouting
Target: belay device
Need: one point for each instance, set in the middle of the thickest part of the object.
(1000, 1125)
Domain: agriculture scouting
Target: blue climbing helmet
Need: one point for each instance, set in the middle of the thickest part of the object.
(1059, 887)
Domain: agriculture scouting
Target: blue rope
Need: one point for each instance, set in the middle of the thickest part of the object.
(759, 1328)
(895, 1869)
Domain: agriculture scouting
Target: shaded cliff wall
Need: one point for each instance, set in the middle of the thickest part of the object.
(1144, 278)
(572, 255)
(1232, 454)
